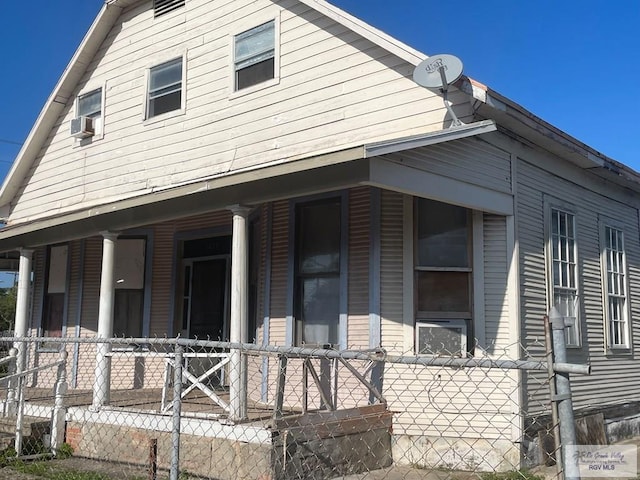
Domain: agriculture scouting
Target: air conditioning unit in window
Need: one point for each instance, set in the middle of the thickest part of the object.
(82, 127)
(445, 338)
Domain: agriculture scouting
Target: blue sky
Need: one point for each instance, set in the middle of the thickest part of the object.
(573, 63)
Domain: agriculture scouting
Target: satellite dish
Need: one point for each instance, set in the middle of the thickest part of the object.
(438, 71)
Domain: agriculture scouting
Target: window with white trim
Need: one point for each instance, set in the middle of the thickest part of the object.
(443, 278)
(564, 271)
(615, 288)
(165, 87)
(254, 56)
(89, 105)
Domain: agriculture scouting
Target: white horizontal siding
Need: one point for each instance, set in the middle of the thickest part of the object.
(335, 90)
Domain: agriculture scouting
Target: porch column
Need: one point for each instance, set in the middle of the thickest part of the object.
(22, 306)
(102, 379)
(239, 309)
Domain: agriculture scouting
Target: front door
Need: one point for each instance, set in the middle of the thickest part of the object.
(206, 298)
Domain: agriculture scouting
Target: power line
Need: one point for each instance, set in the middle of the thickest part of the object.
(11, 142)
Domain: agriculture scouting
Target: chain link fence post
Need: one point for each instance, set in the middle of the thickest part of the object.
(563, 397)
(177, 410)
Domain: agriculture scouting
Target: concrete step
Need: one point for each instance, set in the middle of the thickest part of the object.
(31, 426)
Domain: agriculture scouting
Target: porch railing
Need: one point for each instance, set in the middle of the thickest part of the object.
(15, 383)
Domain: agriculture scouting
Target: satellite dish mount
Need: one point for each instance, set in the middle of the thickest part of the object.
(438, 72)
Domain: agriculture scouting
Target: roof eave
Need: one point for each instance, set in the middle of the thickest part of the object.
(59, 98)
(524, 123)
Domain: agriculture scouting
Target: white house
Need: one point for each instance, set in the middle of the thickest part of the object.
(187, 137)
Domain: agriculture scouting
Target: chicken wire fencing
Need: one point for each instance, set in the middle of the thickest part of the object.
(188, 409)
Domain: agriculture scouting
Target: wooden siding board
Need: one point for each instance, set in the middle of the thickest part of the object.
(358, 269)
(214, 123)
(607, 369)
(391, 274)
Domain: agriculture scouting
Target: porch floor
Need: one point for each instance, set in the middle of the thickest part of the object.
(148, 400)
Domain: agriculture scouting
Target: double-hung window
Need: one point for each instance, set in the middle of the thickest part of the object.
(614, 264)
(317, 272)
(443, 278)
(165, 88)
(254, 56)
(129, 274)
(564, 270)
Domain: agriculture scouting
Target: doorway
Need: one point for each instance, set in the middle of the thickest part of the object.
(206, 291)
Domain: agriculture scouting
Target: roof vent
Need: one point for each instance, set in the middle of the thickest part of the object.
(160, 7)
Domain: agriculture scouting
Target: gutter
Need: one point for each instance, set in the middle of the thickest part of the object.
(575, 151)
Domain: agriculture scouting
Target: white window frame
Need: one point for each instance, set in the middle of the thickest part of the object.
(157, 61)
(621, 285)
(254, 22)
(574, 339)
(98, 121)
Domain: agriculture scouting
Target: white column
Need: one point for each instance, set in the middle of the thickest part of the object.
(102, 379)
(22, 306)
(239, 309)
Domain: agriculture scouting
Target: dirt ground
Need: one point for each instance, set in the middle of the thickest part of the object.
(111, 470)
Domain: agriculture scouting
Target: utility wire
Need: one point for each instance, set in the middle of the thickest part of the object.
(11, 142)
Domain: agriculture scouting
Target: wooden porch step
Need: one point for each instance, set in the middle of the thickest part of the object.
(31, 426)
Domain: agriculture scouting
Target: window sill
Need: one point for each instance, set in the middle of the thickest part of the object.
(254, 88)
(164, 116)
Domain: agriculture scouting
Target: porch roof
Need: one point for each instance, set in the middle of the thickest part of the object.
(362, 165)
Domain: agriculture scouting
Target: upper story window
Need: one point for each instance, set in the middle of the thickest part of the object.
(443, 277)
(88, 119)
(616, 308)
(162, 7)
(254, 56)
(90, 104)
(564, 270)
(165, 88)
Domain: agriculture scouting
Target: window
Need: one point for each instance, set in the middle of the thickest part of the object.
(165, 88)
(55, 292)
(129, 276)
(565, 272)
(317, 272)
(443, 277)
(89, 105)
(254, 56)
(162, 7)
(615, 288)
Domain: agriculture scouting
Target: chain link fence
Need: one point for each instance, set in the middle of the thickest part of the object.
(183, 409)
